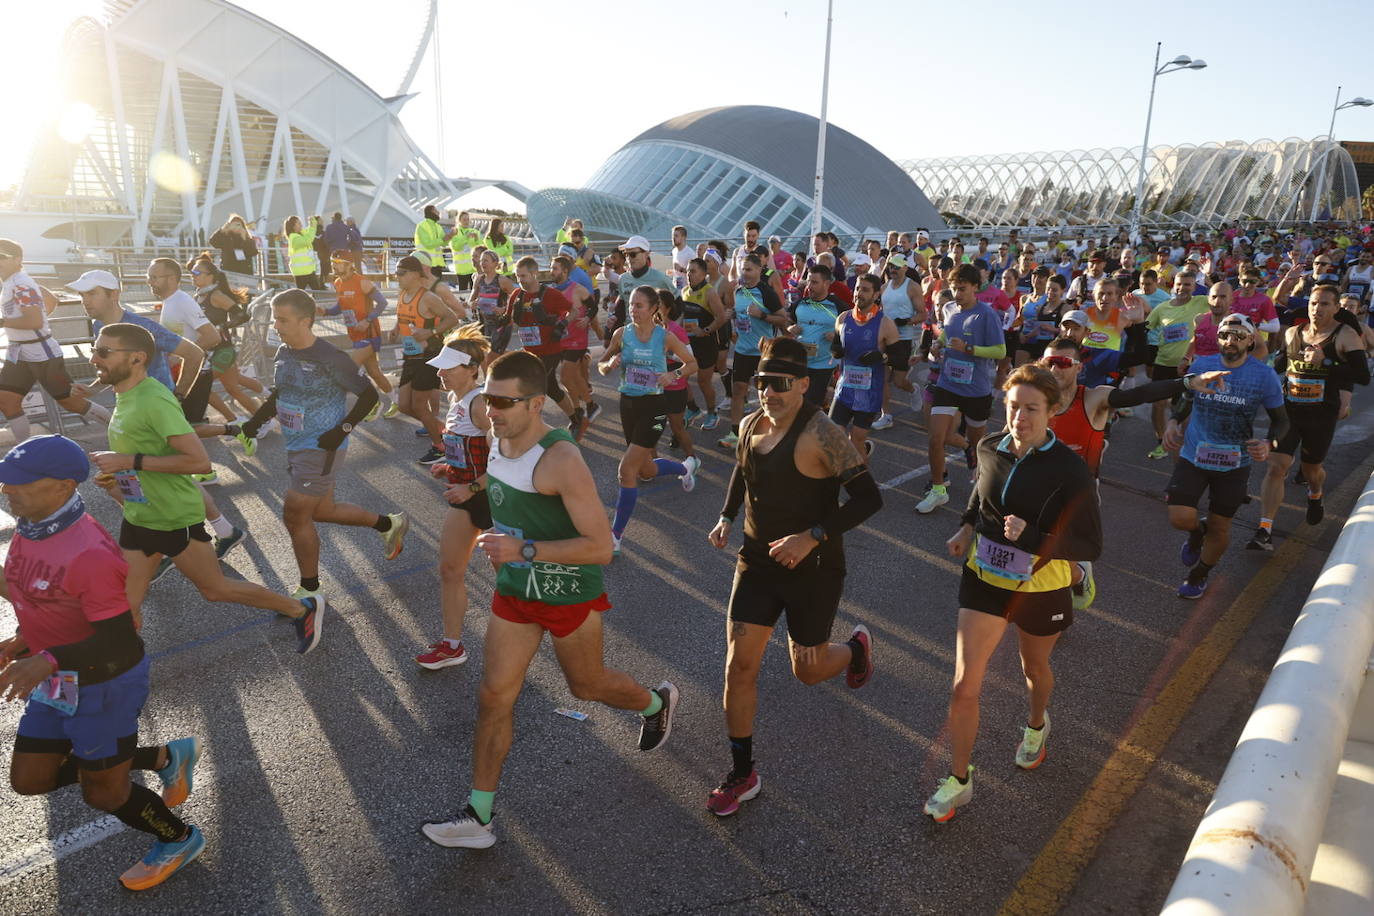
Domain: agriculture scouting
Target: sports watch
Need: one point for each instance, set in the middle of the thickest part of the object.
(527, 551)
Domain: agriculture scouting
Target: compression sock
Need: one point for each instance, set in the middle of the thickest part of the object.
(1266, 524)
(96, 411)
(20, 427)
(667, 467)
(624, 508)
(1198, 574)
(146, 811)
(481, 803)
(220, 526)
(655, 704)
(962, 782)
(382, 524)
(146, 758)
(1036, 728)
(311, 583)
(742, 753)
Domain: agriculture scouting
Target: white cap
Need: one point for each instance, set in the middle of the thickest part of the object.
(636, 241)
(861, 260)
(1236, 319)
(1077, 316)
(922, 234)
(94, 278)
(449, 358)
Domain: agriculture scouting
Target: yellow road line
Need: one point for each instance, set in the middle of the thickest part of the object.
(1045, 886)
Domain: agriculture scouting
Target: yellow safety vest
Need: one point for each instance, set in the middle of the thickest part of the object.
(460, 246)
(505, 252)
(429, 238)
(302, 252)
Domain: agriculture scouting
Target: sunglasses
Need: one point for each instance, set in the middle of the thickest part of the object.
(633, 254)
(778, 383)
(500, 402)
(104, 352)
(1233, 335)
(1059, 362)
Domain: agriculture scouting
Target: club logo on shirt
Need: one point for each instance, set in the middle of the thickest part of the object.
(41, 585)
(497, 493)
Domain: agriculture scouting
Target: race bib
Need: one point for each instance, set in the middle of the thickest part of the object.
(811, 350)
(291, 417)
(1004, 560)
(411, 347)
(61, 692)
(959, 371)
(529, 335)
(350, 318)
(519, 535)
(454, 453)
(488, 305)
(742, 324)
(641, 377)
(690, 324)
(130, 487)
(1306, 390)
(1211, 457)
(240, 254)
(1175, 333)
(858, 378)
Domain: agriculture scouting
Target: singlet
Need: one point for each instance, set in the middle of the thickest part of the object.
(217, 316)
(576, 336)
(407, 320)
(490, 296)
(466, 448)
(1310, 384)
(1104, 334)
(860, 386)
(750, 332)
(1074, 428)
(816, 319)
(521, 511)
(353, 307)
(1360, 281)
(780, 500)
(642, 362)
(897, 306)
(696, 310)
(673, 363)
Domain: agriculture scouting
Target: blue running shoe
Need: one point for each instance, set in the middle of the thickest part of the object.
(692, 414)
(310, 625)
(1192, 548)
(163, 861)
(1192, 590)
(178, 776)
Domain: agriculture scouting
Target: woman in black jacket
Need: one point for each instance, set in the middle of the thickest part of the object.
(1032, 519)
(237, 251)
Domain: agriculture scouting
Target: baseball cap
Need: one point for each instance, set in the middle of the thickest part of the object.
(866, 261)
(1098, 255)
(1077, 316)
(410, 262)
(92, 279)
(636, 241)
(893, 260)
(569, 250)
(922, 234)
(1236, 320)
(45, 456)
(448, 358)
(9, 248)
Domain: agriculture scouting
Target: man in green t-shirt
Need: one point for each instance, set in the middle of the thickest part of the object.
(1170, 325)
(153, 450)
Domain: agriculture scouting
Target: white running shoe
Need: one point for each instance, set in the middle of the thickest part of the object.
(936, 498)
(884, 421)
(689, 480)
(465, 831)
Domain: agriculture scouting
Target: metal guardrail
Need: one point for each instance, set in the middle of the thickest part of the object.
(1253, 850)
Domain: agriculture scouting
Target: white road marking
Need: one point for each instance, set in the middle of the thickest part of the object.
(903, 478)
(50, 852)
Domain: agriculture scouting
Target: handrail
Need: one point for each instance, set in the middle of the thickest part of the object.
(1254, 849)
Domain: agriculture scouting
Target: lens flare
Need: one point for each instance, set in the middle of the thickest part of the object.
(172, 173)
(76, 122)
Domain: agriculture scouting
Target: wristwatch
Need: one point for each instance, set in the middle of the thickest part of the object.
(818, 533)
(346, 427)
(475, 486)
(527, 551)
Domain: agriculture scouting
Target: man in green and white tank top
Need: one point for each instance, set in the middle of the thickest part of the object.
(549, 540)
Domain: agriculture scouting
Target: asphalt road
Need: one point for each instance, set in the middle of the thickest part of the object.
(318, 771)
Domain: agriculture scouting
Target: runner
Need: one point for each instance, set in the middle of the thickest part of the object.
(1040, 317)
(550, 542)
(757, 315)
(361, 303)
(576, 342)
(422, 319)
(223, 307)
(862, 337)
(489, 292)
(310, 402)
(1172, 324)
(904, 305)
(791, 463)
(816, 315)
(640, 351)
(715, 256)
(33, 357)
(537, 316)
(675, 392)
(459, 363)
(1317, 361)
(1033, 515)
(972, 343)
(703, 316)
(1217, 448)
(78, 660)
(152, 450)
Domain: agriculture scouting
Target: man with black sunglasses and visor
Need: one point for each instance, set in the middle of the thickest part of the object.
(791, 463)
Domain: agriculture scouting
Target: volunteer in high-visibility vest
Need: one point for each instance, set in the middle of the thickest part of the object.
(497, 241)
(300, 240)
(462, 245)
(430, 236)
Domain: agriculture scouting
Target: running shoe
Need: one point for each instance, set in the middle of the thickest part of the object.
(655, 729)
(228, 542)
(392, 409)
(884, 421)
(1315, 511)
(250, 446)
(310, 625)
(433, 456)
(578, 426)
(1157, 453)
(1263, 539)
(162, 566)
(615, 544)
(689, 480)
(1192, 590)
(711, 421)
(301, 593)
(729, 440)
(726, 798)
(949, 794)
(860, 670)
(868, 448)
(936, 498)
(593, 411)
(372, 414)
(441, 655)
(463, 832)
(178, 776)
(1125, 412)
(1030, 753)
(207, 480)
(394, 537)
(1191, 552)
(163, 861)
(421, 433)
(691, 414)
(1085, 592)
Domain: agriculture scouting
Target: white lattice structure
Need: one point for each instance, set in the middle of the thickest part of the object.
(268, 124)
(1213, 182)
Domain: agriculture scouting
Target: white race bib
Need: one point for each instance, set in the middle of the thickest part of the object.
(1004, 560)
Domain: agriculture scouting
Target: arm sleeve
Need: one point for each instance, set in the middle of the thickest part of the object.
(734, 494)
(1278, 422)
(1146, 394)
(1356, 367)
(1270, 326)
(113, 648)
(998, 351)
(379, 304)
(864, 500)
(266, 412)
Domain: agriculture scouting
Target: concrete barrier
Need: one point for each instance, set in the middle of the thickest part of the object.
(1254, 849)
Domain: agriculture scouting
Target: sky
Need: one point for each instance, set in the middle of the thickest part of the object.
(543, 92)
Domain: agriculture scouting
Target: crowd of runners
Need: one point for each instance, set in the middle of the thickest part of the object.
(1245, 343)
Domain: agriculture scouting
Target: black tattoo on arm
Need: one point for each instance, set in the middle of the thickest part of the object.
(838, 449)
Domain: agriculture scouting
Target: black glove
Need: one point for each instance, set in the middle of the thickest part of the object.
(837, 348)
(872, 358)
(331, 439)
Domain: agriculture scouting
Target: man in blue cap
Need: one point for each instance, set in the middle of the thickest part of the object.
(79, 661)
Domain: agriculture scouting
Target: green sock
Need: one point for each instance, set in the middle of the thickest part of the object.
(481, 802)
(655, 704)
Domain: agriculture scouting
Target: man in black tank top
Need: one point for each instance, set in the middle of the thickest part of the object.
(792, 462)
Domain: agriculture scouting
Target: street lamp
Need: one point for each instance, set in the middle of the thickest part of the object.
(1182, 62)
(1357, 102)
(820, 139)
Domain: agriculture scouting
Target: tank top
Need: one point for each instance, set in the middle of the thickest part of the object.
(1307, 382)
(407, 320)
(466, 447)
(816, 319)
(780, 500)
(861, 387)
(696, 310)
(1074, 428)
(353, 307)
(521, 511)
(218, 316)
(642, 362)
(897, 306)
(490, 296)
(1104, 334)
(1360, 281)
(576, 336)
(676, 330)
(750, 332)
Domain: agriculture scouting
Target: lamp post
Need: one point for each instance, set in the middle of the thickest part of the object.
(820, 140)
(1182, 62)
(1357, 102)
